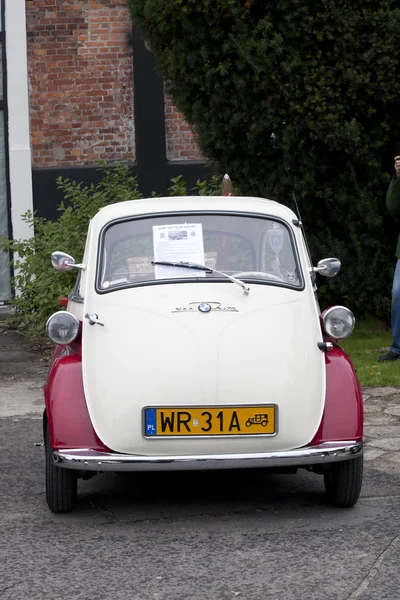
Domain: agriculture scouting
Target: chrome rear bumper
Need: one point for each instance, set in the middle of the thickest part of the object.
(90, 460)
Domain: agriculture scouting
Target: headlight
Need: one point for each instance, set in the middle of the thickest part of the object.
(338, 322)
(62, 327)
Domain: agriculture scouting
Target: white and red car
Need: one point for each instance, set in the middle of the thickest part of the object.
(193, 339)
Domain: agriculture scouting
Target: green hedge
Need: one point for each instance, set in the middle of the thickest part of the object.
(302, 97)
(39, 286)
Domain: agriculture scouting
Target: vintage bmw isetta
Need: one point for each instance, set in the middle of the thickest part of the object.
(193, 339)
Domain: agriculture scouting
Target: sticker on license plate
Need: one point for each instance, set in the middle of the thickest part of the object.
(209, 421)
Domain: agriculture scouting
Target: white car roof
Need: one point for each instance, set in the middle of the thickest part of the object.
(132, 208)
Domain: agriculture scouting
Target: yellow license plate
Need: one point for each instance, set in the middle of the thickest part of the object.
(203, 421)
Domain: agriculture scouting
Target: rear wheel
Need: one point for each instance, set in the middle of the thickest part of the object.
(61, 484)
(343, 482)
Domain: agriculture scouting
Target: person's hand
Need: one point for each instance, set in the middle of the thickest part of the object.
(397, 165)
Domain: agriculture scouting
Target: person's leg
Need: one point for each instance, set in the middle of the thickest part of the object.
(394, 353)
(395, 347)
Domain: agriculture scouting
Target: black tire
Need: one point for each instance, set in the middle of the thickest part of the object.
(343, 482)
(61, 484)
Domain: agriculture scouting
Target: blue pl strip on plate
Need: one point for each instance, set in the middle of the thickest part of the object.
(150, 421)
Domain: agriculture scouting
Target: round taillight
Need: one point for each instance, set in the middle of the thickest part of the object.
(338, 322)
(62, 327)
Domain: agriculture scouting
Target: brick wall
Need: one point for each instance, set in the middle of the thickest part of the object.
(80, 78)
(181, 143)
(81, 86)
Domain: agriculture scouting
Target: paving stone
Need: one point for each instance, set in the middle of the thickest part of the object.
(393, 457)
(393, 410)
(372, 453)
(387, 463)
(376, 405)
(379, 419)
(372, 431)
(379, 391)
(387, 444)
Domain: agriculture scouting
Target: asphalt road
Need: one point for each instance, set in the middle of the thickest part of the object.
(185, 536)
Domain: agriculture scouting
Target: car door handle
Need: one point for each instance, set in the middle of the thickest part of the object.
(93, 319)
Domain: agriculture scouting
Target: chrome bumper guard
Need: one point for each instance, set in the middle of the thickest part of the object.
(90, 460)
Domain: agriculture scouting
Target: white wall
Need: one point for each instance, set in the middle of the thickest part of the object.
(18, 117)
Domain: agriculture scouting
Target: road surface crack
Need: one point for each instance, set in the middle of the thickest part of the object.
(374, 570)
(10, 587)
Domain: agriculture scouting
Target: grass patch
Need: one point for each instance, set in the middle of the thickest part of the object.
(368, 341)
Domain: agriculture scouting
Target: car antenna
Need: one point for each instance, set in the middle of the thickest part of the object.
(299, 223)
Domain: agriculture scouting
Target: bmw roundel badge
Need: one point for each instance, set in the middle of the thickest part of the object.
(204, 307)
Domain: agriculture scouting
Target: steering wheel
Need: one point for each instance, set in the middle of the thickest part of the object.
(257, 275)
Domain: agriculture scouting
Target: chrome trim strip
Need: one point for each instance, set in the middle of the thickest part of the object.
(76, 298)
(91, 460)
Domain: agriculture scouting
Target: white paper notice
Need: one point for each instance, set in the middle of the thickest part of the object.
(176, 243)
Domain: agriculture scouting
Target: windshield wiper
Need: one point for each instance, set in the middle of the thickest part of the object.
(190, 265)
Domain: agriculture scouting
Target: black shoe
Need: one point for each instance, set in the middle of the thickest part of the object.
(389, 356)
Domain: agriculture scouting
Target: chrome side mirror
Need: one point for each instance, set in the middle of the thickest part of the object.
(328, 267)
(64, 262)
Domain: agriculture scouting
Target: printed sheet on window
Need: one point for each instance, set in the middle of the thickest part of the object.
(176, 243)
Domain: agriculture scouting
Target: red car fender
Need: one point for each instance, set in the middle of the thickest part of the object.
(343, 417)
(67, 415)
(70, 425)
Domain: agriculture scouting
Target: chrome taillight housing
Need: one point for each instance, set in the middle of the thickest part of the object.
(338, 322)
(62, 327)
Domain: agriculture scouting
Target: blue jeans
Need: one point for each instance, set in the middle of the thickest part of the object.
(395, 347)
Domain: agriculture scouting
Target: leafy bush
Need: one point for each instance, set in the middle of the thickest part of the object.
(39, 286)
(301, 97)
(206, 187)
